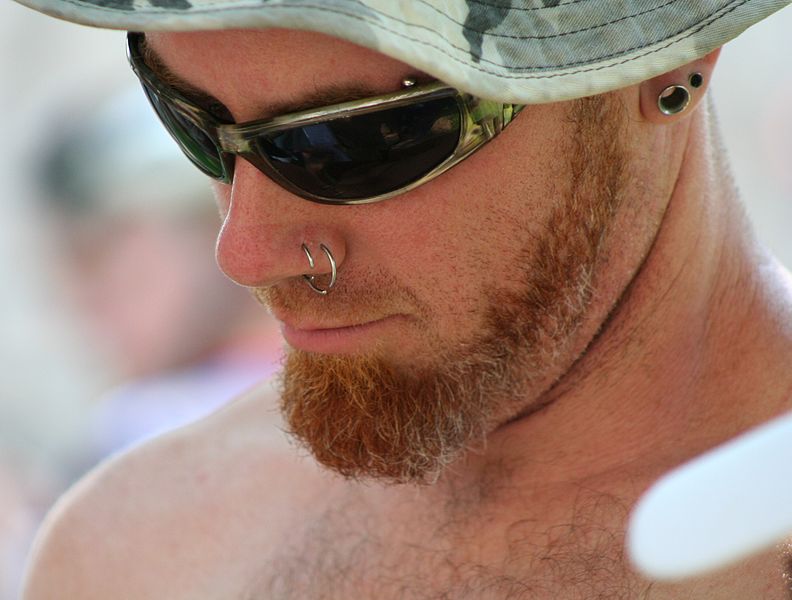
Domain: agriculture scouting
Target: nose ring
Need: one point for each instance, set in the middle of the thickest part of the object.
(311, 279)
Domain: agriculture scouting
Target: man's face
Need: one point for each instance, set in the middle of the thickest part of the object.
(457, 303)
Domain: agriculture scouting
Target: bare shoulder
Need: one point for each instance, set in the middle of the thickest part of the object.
(176, 517)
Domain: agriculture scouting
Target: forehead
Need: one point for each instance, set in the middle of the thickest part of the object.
(274, 65)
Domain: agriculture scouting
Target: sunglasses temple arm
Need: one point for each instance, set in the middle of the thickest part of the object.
(510, 111)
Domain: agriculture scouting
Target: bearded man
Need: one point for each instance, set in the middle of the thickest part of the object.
(516, 285)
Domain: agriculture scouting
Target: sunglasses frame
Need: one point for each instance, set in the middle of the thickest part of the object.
(480, 121)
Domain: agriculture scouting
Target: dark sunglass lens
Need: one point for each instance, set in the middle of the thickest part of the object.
(366, 155)
(193, 141)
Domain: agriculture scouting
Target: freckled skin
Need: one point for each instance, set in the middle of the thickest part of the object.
(684, 342)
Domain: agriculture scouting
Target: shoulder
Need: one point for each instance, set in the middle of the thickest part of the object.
(157, 521)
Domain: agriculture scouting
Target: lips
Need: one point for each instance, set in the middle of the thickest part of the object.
(335, 338)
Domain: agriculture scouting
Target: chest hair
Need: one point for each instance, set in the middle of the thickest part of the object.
(353, 551)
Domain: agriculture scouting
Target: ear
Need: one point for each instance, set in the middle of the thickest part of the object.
(678, 91)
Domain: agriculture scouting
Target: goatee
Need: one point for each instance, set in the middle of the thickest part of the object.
(364, 417)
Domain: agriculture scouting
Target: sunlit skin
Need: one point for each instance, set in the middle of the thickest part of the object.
(685, 343)
(423, 242)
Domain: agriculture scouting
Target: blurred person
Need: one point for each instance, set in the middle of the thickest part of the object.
(18, 521)
(161, 336)
(48, 375)
(488, 363)
(134, 225)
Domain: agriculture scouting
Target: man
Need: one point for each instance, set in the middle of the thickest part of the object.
(488, 363)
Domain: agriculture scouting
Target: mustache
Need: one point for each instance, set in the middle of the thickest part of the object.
(359, 298)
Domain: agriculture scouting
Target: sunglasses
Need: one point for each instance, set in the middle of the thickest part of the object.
(348, 153)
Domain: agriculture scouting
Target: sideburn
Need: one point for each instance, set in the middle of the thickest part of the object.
(362, 418)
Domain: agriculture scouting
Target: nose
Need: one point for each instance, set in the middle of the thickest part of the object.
(265, 227)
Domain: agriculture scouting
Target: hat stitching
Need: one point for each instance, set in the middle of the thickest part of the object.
(538, 37)
(524, 8)
(209, 7)
(706, 22)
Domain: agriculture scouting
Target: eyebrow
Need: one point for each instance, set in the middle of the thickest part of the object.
(319, 97)
(153, 61)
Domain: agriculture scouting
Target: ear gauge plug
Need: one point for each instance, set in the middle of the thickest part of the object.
(696, 80)
(675, 98)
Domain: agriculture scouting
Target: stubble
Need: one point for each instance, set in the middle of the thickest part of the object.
(364, 417)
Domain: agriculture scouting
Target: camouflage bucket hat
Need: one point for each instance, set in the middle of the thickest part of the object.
(525, 51)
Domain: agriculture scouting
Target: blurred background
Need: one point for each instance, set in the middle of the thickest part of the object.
(114, 321)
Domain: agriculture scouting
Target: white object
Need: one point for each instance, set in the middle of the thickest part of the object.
(723, 506)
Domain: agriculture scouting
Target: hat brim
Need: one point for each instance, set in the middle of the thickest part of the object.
(528, 51)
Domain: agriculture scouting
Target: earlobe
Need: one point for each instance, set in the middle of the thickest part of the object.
(670, 96)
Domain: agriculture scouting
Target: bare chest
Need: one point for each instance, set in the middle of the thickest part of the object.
(355, 550)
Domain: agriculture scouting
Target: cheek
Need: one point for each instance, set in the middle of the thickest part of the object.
(470, 232)
(450, 244)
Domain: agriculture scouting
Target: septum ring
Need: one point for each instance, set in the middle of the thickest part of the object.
(311, 278)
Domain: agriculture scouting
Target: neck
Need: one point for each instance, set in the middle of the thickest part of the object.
(694, 352)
